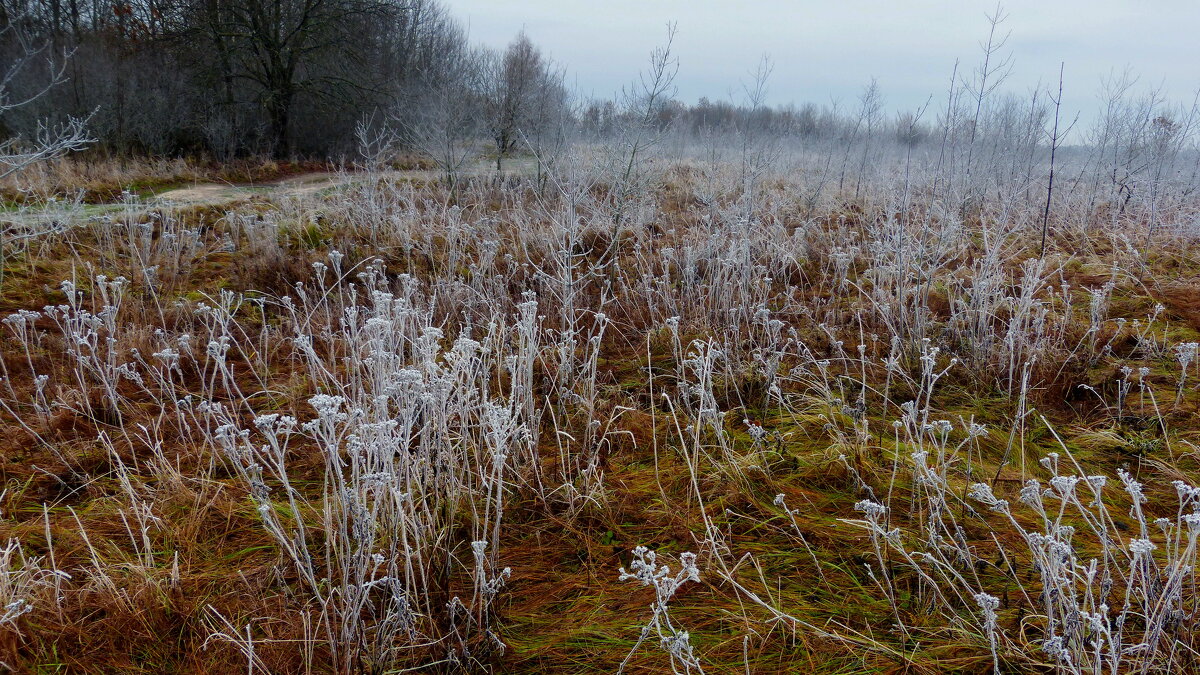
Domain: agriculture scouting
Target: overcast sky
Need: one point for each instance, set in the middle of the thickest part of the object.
(829, 49)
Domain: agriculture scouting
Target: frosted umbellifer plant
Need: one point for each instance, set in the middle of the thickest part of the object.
(988, 604)
(1185, 353)
(674, 640)
(1085, 603)
(415, 441)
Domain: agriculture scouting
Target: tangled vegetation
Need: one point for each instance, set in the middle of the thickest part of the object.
(678, 417)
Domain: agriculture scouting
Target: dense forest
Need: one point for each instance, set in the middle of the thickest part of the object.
(260, 77)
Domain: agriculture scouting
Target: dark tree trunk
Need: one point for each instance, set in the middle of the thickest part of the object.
(279, 106)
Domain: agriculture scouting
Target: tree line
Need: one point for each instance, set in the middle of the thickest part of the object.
(251, 77)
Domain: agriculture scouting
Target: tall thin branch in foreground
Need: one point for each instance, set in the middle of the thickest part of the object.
(1053, 149)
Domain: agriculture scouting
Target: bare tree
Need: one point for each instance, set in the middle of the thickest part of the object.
(515, 81)
(445, 123)
(871, 107)
(49, 140)
(286, 48)
(643, 102)
(550, 122)
(910, 134)
(376, 141)
(987, 78)
(1055, 141)
(759, 147)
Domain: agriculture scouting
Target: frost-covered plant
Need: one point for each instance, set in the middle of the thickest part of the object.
(1186, 354)
(1085, 605)
(22, 580)
(673, 639)
(416, 441)
(1089, 604)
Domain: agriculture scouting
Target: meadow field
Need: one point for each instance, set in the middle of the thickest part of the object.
(707, 413)
(334, 342)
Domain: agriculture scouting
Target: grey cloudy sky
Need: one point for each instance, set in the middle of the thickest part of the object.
(826, 50)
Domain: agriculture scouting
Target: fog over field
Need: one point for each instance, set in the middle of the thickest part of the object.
(828, 51)
(392, 336)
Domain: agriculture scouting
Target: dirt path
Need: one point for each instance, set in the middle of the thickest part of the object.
(197, 194)
(27, 221)
(318, 181)
(225, 193)
(216, 194)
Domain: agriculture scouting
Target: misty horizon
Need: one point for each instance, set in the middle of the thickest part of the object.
(827, 55)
